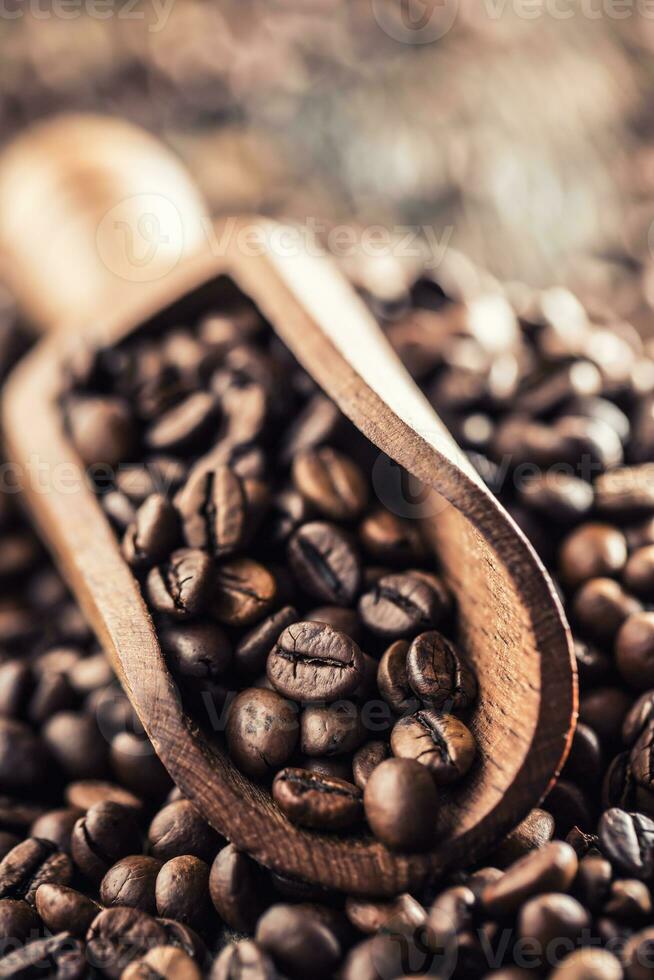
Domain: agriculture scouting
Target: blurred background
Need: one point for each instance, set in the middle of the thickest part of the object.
(516, 133)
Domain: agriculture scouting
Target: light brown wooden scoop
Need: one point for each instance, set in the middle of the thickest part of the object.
(511, 623)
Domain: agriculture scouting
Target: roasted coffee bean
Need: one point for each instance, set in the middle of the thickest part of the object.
(533, 832)
(393, 682)
(593, 881)
(53, 693)
(262, 731)
(288, 509)
(345, 620)
(449, 916)
(136, 766)
(331, 483)
(551, 917)
(153, 534)
(102, 429)
(163, 962)
(77, 744)
(588, 964)
(641, 758)
(316, 423)
(638, 718)
(181, 587)
(400, 604)
(627, 840)
(320, 802)
(300, 944)
(604, 710)
(237, 889)
(637, 955)
(366, 759)
(325, 562)
(338, 766)
(389, 539)
(219, 510)
(585, 759)
(177, 429)
(626, 492)
(183, 937)
(85, 793)
(369, 915)
(440, 742)
(57, 826)
(178, 828)
(15, 686)
(23, 759)
(551, 868)
(634, 650)
(629, 901)
(31, 863)
(592, 551)
(638, 574)
(61, 955)
(131, 881)
(182, 890)
(559, 496)
(601, 606)
(118, 936)
(401, 802)
(332, 729)
(438, 674)
(64, 909)
(315, 662)
(106, 833)
(243, 959)
(253, 648)
(244, 592)
(18, 920)
(197, 650)
(570, 807)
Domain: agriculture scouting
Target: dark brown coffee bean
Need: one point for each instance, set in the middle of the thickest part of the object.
(592, 551)
(331, 729)
(601, 606)
(440, 742)
(197, 650)
(57, 826)
(53, 693)
(593, 881)
(330, 482)
(398, 605)
(153, 535)
(312, 800)
(626, 492)
(629, 901)
(102, 429)
(401, 802)
(8, 841)
(243, 959)
(181, 586)
(570, 807)
(162, 962)
(179, 427)
(218, 510)
(131, 881)
(588, 964)
(244, 592)
(85, 793)
(560, 496)
(450, 914)
(23, 759)
(369, 916)
(325, 563)
(77, 744)
(641, 759)
(316, 423)
(315, 662)
(585, 759)
(18, 920)
(627, 840)
(638, 574)
(389, 539)
(392, 680)
(137, 767)
(634, 650)
(552, 917)
(288, 509)
(638, 718)
(551, 868)
(262, 731)
(345, 620)
(64, 909)
(31, 863)
(338, 766)
(300, 944)
(237, 889)
(179, 829)
(106, 833)
(182, 890)
(118, 936)
(593, 664)
(637, 955)
(604, 710)
(184, 938)
(61, 955)
(15, 686)
(438, 674)
(366, 759)
(253, 648)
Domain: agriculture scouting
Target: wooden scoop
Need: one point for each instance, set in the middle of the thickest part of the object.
(511, 622)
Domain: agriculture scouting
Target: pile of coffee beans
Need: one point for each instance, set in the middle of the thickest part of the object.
(289, 601)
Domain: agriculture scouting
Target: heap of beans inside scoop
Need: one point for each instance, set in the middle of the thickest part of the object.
(299, 615)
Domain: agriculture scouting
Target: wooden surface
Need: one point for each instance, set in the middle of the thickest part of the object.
(511, 622)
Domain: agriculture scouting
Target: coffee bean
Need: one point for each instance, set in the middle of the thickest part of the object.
(316, 423)
(102, 429)
(331, 729)
(183, 937)
(392, 679)
(287, 511)
(601, 606)
(61, 955)
(23, 759)
(338, 766)
(400, 604)
(369, 915)
(107, 832)
(588, 964)
(181, 586)
(85, 793)
(604, 710)
(551, 868)
(638, 718)
(638, 574)
(253, 648)
(315, 662)
(592, 551)
(182, 890)
(440, 742)
(64, 909)
(627, 840)
(634, 650)
(637, 955)
(197, 650)
(18, 920)
(629, 901)
(31, 863)
(218, 509)
(593, 881)
(161, 962)
(551, 917)
(244, 592)
(262, 731)
(15, 687)
(641, 758)
(177, 429)
(300, 944)
(560, 496)
(330, 482)
(401, 802)
(313, 800)
(236, 886)
(118, 936)
(57, 826)
(136, 766)
(153, 534)
(243, 959)
(77, 744)
(131, 882)
(438, 674)
(585, 759)
(389, 539)
(345, 620)
(366, 759)
(325, 563)
(626, 492)
(178, 828)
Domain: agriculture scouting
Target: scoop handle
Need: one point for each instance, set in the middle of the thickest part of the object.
(91, 209)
